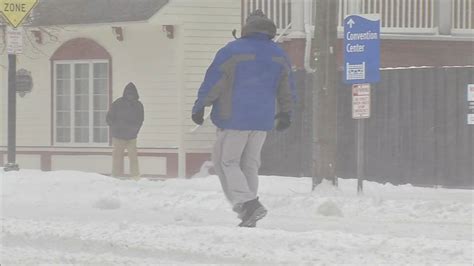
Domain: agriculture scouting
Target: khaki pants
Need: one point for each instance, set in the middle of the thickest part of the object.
(118, 153)
(236, 160)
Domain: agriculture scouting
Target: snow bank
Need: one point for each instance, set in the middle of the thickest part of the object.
(83, 218)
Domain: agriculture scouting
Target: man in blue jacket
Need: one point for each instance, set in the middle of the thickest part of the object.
(242, 84)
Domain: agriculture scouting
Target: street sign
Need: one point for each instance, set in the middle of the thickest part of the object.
(24, 82)
(360, 101)
(470, 104)
(470, 114)
(362, 48)
(470, 92)
(15, 11)
(14, 40)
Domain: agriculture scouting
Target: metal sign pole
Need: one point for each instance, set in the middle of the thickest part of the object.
(11, 165)
(14, 13)
(360, 111)
(360, 155)
(362, 67)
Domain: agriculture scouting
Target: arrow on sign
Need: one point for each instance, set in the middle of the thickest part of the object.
(350, 23)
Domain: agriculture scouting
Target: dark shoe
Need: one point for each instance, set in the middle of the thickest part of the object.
(239, 209)
(253, 211)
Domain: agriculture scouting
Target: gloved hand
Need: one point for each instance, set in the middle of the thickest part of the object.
(283, 121)
(198, 117)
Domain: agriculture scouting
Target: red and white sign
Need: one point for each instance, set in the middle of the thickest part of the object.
(360, 101)
(470, 104)
(470, 119)
(470, 92)
(14, 40)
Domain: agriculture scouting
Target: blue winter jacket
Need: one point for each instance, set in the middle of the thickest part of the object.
(245, 82)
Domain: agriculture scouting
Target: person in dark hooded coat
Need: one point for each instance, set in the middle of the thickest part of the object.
(125, 118)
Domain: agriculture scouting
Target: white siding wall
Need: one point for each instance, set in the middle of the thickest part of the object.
(149, 59)
(33, 120)
(159, 67)
(3, 100)
(206, 26)
(145, 57)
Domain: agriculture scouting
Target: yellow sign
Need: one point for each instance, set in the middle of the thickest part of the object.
(15, 11)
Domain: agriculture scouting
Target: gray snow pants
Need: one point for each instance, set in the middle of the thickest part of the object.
(236, 159)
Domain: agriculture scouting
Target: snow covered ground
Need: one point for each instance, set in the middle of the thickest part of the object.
(88, 219)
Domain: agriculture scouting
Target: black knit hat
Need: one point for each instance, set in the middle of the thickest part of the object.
(257, 22)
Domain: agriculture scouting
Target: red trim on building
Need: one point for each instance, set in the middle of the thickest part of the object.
(406, 53)
(46, 161)
(80, 49)
(194, 162)
(46, 158)
(172, 164)
(400, 53)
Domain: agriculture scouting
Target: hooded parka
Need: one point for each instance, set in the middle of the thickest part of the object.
(126, 114)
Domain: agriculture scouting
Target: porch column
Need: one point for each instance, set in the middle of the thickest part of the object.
(443, 14)
(354, 6)
(297, 18)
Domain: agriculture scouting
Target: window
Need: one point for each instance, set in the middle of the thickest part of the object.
(81, 102)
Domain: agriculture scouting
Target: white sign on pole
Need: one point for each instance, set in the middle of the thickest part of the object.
(14, 40)
(470, 119)
(470, 92)
(360, 101)
(470, 104)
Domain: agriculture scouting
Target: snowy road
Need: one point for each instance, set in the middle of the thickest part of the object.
(88, 219)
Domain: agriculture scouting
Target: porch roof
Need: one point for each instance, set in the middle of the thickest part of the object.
(74, 12)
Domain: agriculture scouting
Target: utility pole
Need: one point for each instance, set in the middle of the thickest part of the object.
(324, 93)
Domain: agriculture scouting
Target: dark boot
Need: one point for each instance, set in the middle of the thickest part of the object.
(239, 209)
(253, 211)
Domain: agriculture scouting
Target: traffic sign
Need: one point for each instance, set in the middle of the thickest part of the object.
(470, 119)
(470, 104)
(362, 48)
(14, 40)
(470, 92)
(360, 101)
(15, 11)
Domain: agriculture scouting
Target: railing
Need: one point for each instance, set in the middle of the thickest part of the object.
(462, 14)
(397, 16)
(277, 10)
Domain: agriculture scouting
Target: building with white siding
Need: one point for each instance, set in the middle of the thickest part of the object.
(81, 61)
(165, 47)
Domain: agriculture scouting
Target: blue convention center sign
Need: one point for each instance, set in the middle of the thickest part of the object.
(362, 49)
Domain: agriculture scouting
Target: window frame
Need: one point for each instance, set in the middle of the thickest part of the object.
(72, 64)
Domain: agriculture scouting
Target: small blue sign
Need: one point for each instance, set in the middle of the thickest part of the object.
(362, 49)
